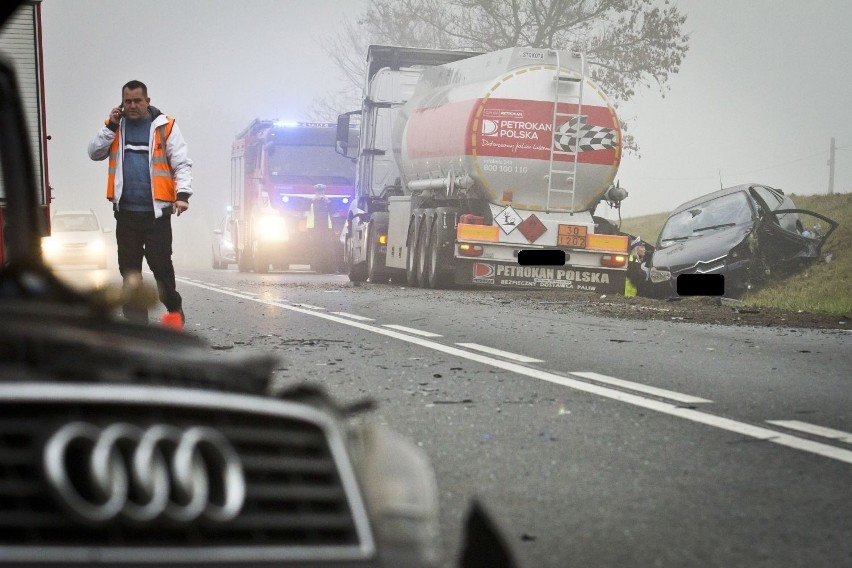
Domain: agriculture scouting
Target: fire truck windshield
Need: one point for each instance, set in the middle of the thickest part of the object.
(309, 165)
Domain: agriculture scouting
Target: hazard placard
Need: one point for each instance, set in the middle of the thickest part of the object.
(573, 236)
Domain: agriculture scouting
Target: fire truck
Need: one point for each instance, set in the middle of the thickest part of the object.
(275, 167)
(20, 42)
(484, 169)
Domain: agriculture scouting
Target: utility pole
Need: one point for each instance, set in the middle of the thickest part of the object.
(831, 167)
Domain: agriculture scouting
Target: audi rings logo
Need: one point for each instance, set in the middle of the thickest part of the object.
(124, 471)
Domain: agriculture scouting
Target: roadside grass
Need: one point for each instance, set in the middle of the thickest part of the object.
(647, 226)
(824, 287)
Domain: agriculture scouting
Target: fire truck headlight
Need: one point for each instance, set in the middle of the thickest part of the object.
(272, 228)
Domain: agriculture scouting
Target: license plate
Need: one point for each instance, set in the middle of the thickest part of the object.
(572, 236)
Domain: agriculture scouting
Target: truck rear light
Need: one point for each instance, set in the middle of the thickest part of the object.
(613, 260)
(467, 249)
(471, 219)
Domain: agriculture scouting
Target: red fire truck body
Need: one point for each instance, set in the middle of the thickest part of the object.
(275, 167)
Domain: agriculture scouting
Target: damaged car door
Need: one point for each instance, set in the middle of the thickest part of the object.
(785, 250)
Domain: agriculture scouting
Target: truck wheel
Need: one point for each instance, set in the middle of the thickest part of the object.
(437, 274)
(357, 272)
(423, 254)
(411, 260)
(376, 271)
(243, 261)
(261, 263)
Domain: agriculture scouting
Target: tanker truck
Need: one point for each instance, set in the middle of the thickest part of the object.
(483, 169)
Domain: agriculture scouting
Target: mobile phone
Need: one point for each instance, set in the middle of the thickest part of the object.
(121, 109)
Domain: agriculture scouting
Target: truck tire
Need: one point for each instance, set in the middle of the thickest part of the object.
(423, 253)
(356, 272)
(440, 262)
(244, 261)
(261, 263)
(412, 241)
(376, 271)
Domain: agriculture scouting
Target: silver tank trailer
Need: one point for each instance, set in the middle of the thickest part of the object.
(487, 123)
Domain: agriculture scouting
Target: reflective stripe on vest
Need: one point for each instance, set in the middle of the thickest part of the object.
(162, 182)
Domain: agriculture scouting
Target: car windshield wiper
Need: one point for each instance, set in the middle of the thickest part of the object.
(713, 227)
(676, 238)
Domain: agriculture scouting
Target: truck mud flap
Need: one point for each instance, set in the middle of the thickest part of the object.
(512, 275)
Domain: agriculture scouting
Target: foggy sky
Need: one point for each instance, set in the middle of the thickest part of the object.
(763, 88)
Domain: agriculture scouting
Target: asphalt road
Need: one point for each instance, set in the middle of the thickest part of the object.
(592, 441)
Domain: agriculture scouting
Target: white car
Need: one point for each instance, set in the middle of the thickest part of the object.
(76, 237)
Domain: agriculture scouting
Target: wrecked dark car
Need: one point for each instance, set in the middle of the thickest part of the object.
(745, 233)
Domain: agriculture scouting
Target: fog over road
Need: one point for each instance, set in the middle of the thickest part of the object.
(593, 441)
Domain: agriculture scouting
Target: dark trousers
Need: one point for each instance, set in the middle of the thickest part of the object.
(138, 235)
(322, 243)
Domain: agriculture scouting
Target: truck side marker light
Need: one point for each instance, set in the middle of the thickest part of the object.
(468, 249)
(613, 260)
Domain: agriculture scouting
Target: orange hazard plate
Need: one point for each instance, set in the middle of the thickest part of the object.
(573, 236)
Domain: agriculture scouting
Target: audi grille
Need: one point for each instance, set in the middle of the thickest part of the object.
(165, 475)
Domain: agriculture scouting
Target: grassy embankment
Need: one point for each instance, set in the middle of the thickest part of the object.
(822, 287)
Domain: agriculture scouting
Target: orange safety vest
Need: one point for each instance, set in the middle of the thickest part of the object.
(162, 183)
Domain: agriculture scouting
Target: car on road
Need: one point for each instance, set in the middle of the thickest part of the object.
(76, 237)
(223, 244)
(744, 233)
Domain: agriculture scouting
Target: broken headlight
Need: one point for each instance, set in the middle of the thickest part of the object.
(658, 275)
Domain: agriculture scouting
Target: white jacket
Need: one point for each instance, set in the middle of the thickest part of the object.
(175, 150)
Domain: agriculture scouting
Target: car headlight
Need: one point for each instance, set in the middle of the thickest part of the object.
(402, 496)
(658, 275)
(96, 246)
(49, 245)
(271, 228)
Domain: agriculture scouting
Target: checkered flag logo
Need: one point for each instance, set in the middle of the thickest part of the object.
(591, 137)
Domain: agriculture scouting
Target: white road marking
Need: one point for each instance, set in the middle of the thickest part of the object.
(639, 387)
(838, 435)
(699, 417)
(308, 306)
(498, 352)
(412, 330)
(353, 316)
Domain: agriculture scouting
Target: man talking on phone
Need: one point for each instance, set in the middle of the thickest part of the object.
(149, 179)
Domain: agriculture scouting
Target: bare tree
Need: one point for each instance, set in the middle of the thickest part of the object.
(629, 44)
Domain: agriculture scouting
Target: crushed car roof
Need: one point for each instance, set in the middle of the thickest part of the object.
(722, 192)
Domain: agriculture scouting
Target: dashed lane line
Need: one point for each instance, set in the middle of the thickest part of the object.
(353, 316)
(309, 306)
(639, 387)
(419, 332)
(501, 353)
(697, 416)
(822, 431)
